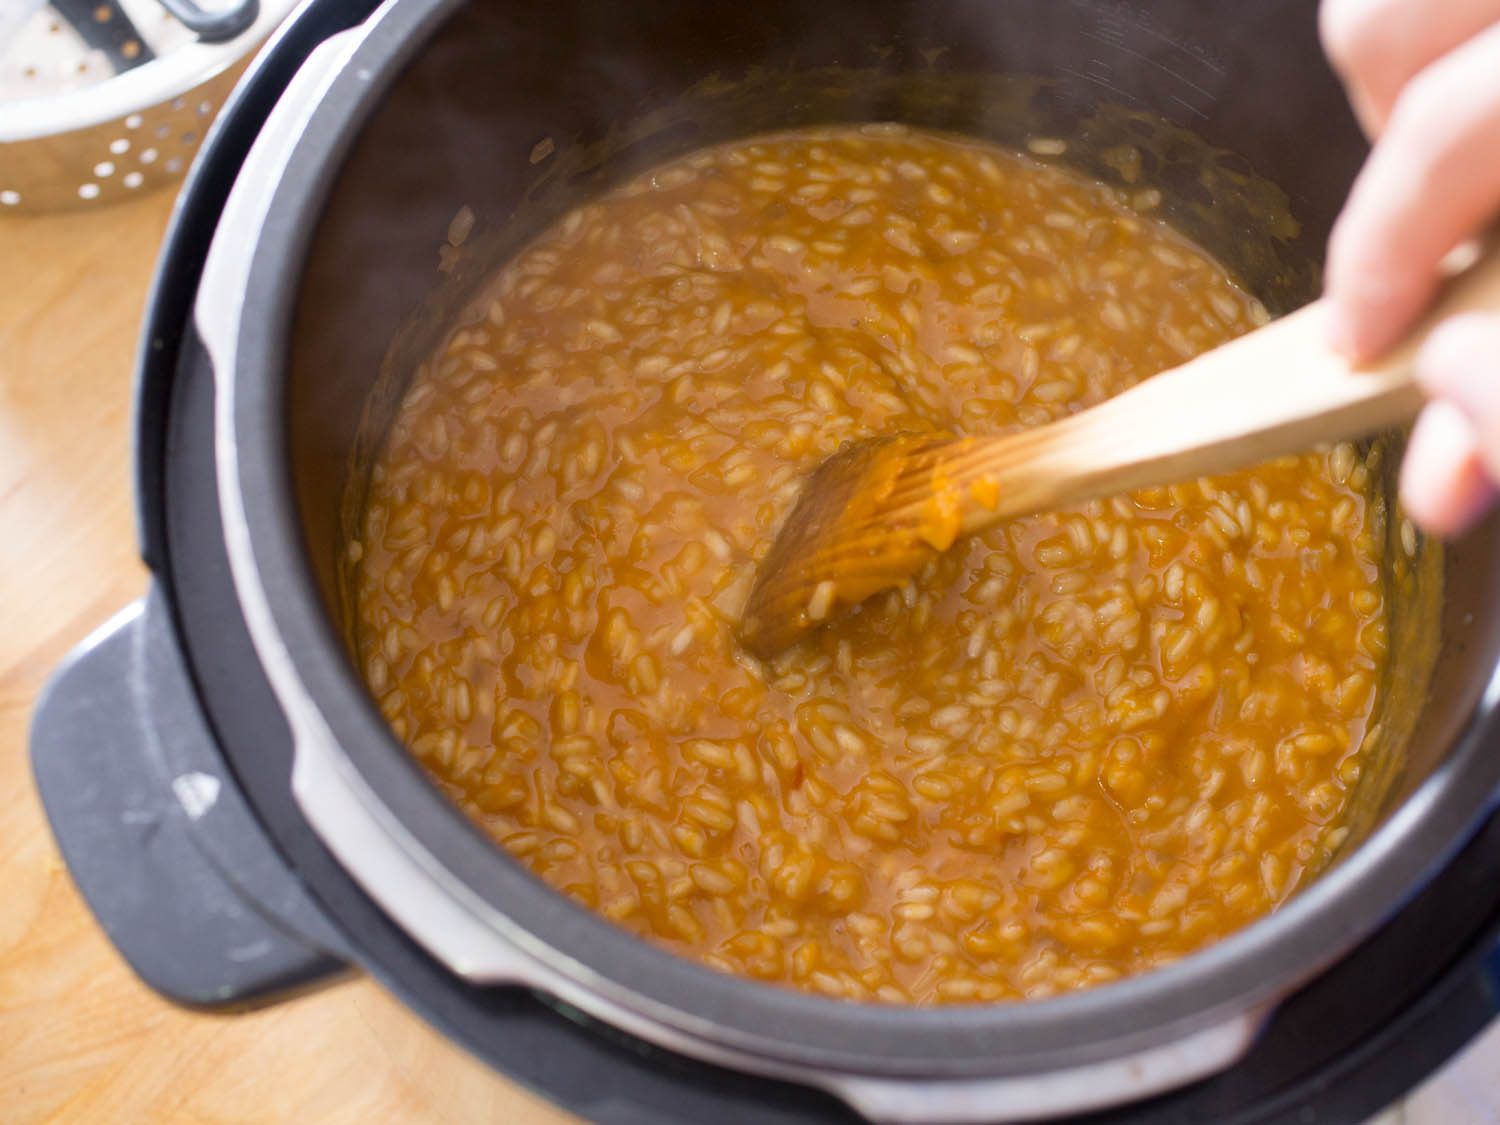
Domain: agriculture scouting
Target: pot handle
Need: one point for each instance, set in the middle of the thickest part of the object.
(1052, 1094)
(158, 838)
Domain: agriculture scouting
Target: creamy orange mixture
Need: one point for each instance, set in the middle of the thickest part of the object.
(1076, 747)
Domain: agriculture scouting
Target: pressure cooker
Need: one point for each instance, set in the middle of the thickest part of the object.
(243, 823)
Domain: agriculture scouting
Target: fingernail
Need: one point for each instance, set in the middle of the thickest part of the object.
(1339, 331)
(1360, 332)
(1371, 302)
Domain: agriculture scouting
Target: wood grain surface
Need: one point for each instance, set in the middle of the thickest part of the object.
(81, 1040)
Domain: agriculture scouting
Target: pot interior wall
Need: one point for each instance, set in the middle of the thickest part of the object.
(517, 118)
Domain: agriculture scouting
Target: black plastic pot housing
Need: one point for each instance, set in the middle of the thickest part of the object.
(227, 707)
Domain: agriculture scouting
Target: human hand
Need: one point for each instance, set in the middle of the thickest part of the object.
(1424, 79)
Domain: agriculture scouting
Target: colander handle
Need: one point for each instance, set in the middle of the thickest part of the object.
(213, 26)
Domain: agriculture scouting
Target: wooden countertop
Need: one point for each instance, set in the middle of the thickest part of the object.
(81, 1039)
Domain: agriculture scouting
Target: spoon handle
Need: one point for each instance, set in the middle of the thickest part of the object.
(1276, 391)
(874, 513)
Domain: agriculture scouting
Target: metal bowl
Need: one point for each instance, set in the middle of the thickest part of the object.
(103, 99)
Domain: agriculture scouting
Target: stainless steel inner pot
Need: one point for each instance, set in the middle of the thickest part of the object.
(331, 273)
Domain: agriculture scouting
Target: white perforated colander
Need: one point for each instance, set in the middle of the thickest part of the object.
(101, 99)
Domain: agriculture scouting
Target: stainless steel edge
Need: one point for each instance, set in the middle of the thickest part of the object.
(444, 916)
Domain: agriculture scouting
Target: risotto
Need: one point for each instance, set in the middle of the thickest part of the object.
(1074, 748)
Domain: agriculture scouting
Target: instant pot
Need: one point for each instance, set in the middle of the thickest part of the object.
(243, 823)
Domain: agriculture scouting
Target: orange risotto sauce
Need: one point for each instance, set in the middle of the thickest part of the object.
(1080, 746)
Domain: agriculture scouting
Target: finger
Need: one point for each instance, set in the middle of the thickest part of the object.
(1460, 363)
(1377, 46)
(1444, 484)
(1432, 180)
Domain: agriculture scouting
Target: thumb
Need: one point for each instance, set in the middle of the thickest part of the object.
(1460, 364)
(1444, 484)
(1453, 460)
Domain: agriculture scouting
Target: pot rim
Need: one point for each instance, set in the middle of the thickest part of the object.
(1234, 977)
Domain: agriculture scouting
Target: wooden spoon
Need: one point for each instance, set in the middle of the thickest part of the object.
(875, 512)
